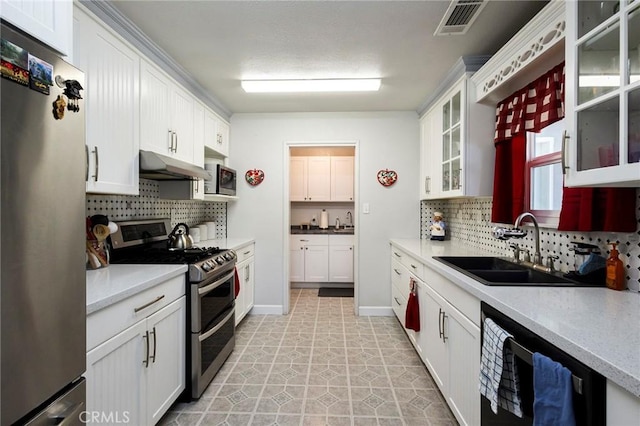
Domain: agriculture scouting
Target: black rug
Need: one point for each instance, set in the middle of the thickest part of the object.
(335, 292)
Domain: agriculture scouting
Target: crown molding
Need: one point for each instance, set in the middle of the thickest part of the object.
(122, 25)
(464, 65)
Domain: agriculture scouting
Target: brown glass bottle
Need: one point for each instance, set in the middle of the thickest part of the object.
(615, 270)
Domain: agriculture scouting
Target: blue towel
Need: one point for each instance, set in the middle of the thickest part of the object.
(499, 381)
(552, 393)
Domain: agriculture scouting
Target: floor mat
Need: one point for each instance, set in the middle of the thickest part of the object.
(335, 292)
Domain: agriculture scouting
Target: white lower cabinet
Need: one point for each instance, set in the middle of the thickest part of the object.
(137, 374)
(309, 258)
(448, 341)
(623, 408)
(245, 268)
(341, 258)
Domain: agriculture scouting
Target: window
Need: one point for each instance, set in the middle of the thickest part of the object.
(543, 174)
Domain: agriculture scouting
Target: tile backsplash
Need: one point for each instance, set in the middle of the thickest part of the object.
(469, 221)
(148, 205)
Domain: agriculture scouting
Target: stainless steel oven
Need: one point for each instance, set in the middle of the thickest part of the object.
(212, 327)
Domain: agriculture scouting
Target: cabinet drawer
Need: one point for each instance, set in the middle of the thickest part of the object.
(245, 252)
(341, 240)
(310, 240)
(107, 322)
(411, 263)
(465, 302)
(398, 303)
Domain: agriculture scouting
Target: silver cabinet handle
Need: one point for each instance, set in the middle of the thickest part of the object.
(444, 337)
(397, 255)
(96, 168)
(397, 272)
(305, 240)
(146, 339)
(176, 147)
(155, 341)
(170, 140)
(146, 305)
(247, 271)
(414, 266)
(427, 185)
(563, 153)
(440, 331)
(86, 169)
(396, 299)
(247, 252)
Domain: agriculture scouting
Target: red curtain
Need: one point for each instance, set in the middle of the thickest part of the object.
(532, 108)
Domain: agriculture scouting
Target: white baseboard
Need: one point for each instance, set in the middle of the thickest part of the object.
(375, 311)
(267, 310)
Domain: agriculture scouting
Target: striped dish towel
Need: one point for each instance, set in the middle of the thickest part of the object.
(499, 381)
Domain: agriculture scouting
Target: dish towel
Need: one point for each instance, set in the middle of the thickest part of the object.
(499, 381)
(412, 314)
(552, 393)
(236, 283)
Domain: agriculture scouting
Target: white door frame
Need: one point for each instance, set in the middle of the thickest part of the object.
(286, 228)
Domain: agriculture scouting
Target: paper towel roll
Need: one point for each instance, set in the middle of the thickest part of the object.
(211, 230)
(324, 220)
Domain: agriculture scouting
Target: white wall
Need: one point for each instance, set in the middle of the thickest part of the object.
(386, 140)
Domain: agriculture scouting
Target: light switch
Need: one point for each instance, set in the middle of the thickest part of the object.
(365, 208)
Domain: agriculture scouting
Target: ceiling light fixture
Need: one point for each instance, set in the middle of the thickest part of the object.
(328, 85)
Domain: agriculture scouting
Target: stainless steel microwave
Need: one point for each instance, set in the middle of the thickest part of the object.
(223, 180)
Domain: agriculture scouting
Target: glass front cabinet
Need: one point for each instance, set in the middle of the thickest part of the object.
(456, 142)
(602, 83)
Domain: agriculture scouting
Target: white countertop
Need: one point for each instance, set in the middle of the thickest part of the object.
(598, 326)
(117, 282)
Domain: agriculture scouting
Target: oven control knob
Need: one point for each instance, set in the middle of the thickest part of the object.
(206, 267)
(228, 256)
(220, 260)
(211, 263)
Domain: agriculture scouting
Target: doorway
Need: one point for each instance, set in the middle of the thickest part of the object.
(321, 212)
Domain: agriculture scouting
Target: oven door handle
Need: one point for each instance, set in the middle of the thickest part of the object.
(210, 287)
(217, 327)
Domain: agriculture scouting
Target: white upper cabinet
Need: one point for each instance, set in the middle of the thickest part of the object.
(50, 21)
(310, 179)
(112, 76)
(216, 139)
(166, 125)
(456, 146)
(602, 144)
(342, 178)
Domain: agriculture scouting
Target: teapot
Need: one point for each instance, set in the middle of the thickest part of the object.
(179, 238)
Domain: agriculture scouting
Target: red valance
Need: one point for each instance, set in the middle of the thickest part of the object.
(533, 107)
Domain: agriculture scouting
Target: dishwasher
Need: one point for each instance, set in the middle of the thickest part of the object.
(589, 387)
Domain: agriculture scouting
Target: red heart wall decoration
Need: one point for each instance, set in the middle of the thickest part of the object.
(254, 177)
(387, 177)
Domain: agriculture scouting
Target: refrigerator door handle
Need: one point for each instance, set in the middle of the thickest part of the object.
(68, 416)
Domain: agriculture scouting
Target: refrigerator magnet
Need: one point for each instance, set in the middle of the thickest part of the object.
(40, 75)
(13, 62)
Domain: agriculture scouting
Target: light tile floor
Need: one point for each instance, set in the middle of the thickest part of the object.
(319, 365)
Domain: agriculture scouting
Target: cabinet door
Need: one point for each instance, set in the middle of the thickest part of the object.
(342, 178)
(318, 182)
(166, 371)
(50, 21)
(296, 262)
(241, 306)
(249, 284)
(316, 262)
(182, 123)
(341, 264)
(222, 138)
(116, 375)
(463, 340)
(298, 179)
(198, 148)
(112, 75)
(155, 133)
(430, 336)
(451, 142)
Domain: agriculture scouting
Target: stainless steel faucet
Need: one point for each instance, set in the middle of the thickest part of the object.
(516, 232)
(349, 219)
(537, 258)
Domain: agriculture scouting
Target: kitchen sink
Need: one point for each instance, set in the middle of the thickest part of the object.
(497, 271)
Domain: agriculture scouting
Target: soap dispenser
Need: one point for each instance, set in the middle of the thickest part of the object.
(615, 270)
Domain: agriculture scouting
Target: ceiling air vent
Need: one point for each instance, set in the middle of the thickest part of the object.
(459, 17)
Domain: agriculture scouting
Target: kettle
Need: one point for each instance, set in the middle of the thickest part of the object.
(179, 238)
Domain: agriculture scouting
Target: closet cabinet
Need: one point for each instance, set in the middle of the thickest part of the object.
(112, 105)
(166, 125)
(602, 143)
(456, 145)
(309, 179)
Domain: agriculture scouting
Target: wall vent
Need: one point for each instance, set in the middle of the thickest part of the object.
(459, 16)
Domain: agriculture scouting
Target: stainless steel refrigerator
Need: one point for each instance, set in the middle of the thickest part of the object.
(42, 235)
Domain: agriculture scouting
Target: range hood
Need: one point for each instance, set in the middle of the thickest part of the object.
(161, 167)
